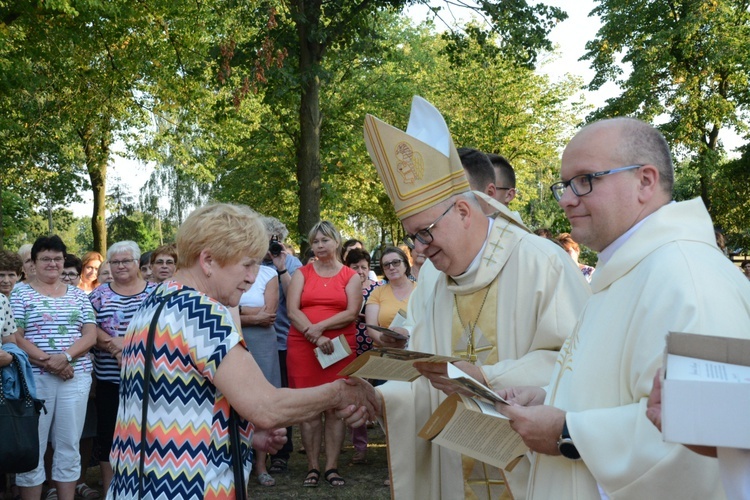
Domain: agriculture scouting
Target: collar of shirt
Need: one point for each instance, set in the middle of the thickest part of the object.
(468, 275)
(606, 254)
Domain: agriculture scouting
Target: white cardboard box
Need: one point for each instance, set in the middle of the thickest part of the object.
(710, 413)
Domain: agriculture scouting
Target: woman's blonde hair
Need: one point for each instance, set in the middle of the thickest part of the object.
(326, 229)
(229, 231)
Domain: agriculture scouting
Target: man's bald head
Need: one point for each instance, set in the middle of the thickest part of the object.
(638, 143)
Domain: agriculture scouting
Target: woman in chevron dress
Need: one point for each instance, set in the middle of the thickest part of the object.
(200, 369)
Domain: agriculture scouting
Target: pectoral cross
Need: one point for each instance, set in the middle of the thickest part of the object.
(471, 351)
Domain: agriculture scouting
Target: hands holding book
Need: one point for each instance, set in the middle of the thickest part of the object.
(437, 373)
(395, 338)
(539, 425)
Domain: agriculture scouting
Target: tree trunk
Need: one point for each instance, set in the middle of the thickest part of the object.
(308, 150)
(97, 156)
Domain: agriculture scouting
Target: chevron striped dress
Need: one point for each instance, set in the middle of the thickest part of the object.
(187, 443)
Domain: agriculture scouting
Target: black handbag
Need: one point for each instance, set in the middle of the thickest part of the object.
(19, 427)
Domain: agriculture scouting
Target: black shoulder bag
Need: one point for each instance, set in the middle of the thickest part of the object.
(234, 433)
(19, 427)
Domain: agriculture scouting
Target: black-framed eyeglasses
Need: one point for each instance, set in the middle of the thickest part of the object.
(424, 236)
(393, 263)
(503, 188)
(69, 276)
(582, 184)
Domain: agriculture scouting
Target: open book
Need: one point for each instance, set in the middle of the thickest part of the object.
(466, 383)
(341, 350)
(385, 363)
(474, 428)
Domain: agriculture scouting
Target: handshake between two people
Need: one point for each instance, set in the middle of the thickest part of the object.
(358, 402)
(352, 400)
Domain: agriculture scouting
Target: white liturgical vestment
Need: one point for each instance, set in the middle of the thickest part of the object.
(522, 301)
(668, 276)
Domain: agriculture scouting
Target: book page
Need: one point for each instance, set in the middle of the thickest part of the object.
(340, 351)
(684, 368)
(480, 432)
(465, 382)
(391, 364)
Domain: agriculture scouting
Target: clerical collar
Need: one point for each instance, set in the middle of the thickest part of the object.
(468, 276)
(606, 254)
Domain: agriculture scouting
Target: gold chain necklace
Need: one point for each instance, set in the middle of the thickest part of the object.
(471, 355)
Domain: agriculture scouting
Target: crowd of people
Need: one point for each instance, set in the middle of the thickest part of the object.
(141, 353)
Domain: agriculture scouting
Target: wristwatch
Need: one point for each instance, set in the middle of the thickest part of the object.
(68, 357)
(565, 445)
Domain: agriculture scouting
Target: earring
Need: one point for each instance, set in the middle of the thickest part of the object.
(208, 275)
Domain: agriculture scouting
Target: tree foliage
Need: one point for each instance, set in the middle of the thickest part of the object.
(686, 63)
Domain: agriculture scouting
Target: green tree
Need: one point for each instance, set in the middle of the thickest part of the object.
(310, 30)
(687, 62)
(732, 201)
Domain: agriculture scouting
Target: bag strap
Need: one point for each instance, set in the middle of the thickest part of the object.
(240, 490)
(147, 364)
(25, 392)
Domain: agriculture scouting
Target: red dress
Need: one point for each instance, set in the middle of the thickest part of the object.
(321, 299)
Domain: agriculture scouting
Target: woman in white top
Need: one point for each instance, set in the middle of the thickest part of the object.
(257, 314)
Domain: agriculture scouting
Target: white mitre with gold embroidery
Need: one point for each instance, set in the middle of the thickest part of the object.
(420, 167)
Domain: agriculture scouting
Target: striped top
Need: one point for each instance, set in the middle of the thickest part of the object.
(187, 444)
(53, 324)
(113, 314)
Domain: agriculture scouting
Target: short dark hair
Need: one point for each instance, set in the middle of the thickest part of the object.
(73, 261)
(11, 261)
(356, 255)
(349, 243)
(168, 249)
(145, 259)
(52, 243)
(504, 168)
(400, 253)
(478, 168)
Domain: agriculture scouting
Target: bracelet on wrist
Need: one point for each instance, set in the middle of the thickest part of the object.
(283, 271)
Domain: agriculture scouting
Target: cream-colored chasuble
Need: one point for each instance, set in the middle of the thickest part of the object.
(474, 327)
(534, 294)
